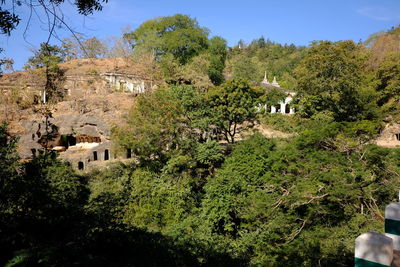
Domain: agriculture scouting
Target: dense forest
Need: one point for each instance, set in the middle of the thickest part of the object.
(200, 192)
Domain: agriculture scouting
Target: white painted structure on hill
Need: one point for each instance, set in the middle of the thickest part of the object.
(125, 82)
(284, 106)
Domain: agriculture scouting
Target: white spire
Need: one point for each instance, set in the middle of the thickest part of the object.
(265, 81)
(275, 83)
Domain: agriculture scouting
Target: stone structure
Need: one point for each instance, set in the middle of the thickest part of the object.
(85, 155)
(82, 140)
(390, 136)
(375, 249)
(284, 106)
(127, 82)
(78, 86)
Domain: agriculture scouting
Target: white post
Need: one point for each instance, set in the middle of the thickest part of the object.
(273, 109)
(373, 249)
(291, 111)
(392, 228)
(283, 108)
(44, 96)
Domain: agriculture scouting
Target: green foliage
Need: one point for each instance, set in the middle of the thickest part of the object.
(8, 155)
(233, 103)
(209, 153)
(388, 75)
(8, 21)
(196, 72)
(284, 204)
(273, 97)
(47, 56)
(218, 52)
(220, 207)
(264, 55)
(245, 69)
(215, 71)
(182, 49)
(178, 35)
(284, 123)
(165, 123)
(330, 78)
(188, 198)
(155, 202)
(40, 202)
(47, 59)
(155, 126)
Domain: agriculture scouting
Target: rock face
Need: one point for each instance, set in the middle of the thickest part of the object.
(93, 104)
(390, 136)
(79, 139)
(82, 125)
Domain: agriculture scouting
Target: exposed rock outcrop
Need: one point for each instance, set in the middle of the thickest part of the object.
(390, 136)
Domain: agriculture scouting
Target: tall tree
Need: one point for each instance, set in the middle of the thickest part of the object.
(10, 18)
(388, 75)
(233, 103)
(330, 77)
(178, 35)
(48, 57)
(381, 45)
(218, 53)
(94, 48)
(244, 68)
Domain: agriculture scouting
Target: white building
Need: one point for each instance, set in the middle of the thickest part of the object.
(125, 82)
(283, 106)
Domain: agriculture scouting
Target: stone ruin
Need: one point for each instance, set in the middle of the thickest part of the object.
(82, 140)
(390, 136)
(129, 83)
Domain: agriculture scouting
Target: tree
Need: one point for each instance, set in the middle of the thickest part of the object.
(233, 104)
(388, 75)
(79, 47)
(381, 45)
(244, 68)
(196, 72)
(178, 35)
(283, 203)
(9, 18)
(250, 62)
(6, 64)
(94, 48)
(218, 53)
(119, 47)
(261, 42)
(168, 125)
(331, 75)
(273, 97)
(9, 165)
(48, 57)
(154, 126)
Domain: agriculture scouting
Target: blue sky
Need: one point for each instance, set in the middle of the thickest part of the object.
(283, 21)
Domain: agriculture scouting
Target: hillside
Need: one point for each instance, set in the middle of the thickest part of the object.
(260, 154)
(91, 100)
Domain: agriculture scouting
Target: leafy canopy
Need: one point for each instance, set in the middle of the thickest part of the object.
(330, 78)
(233, 103)
(178, 35)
